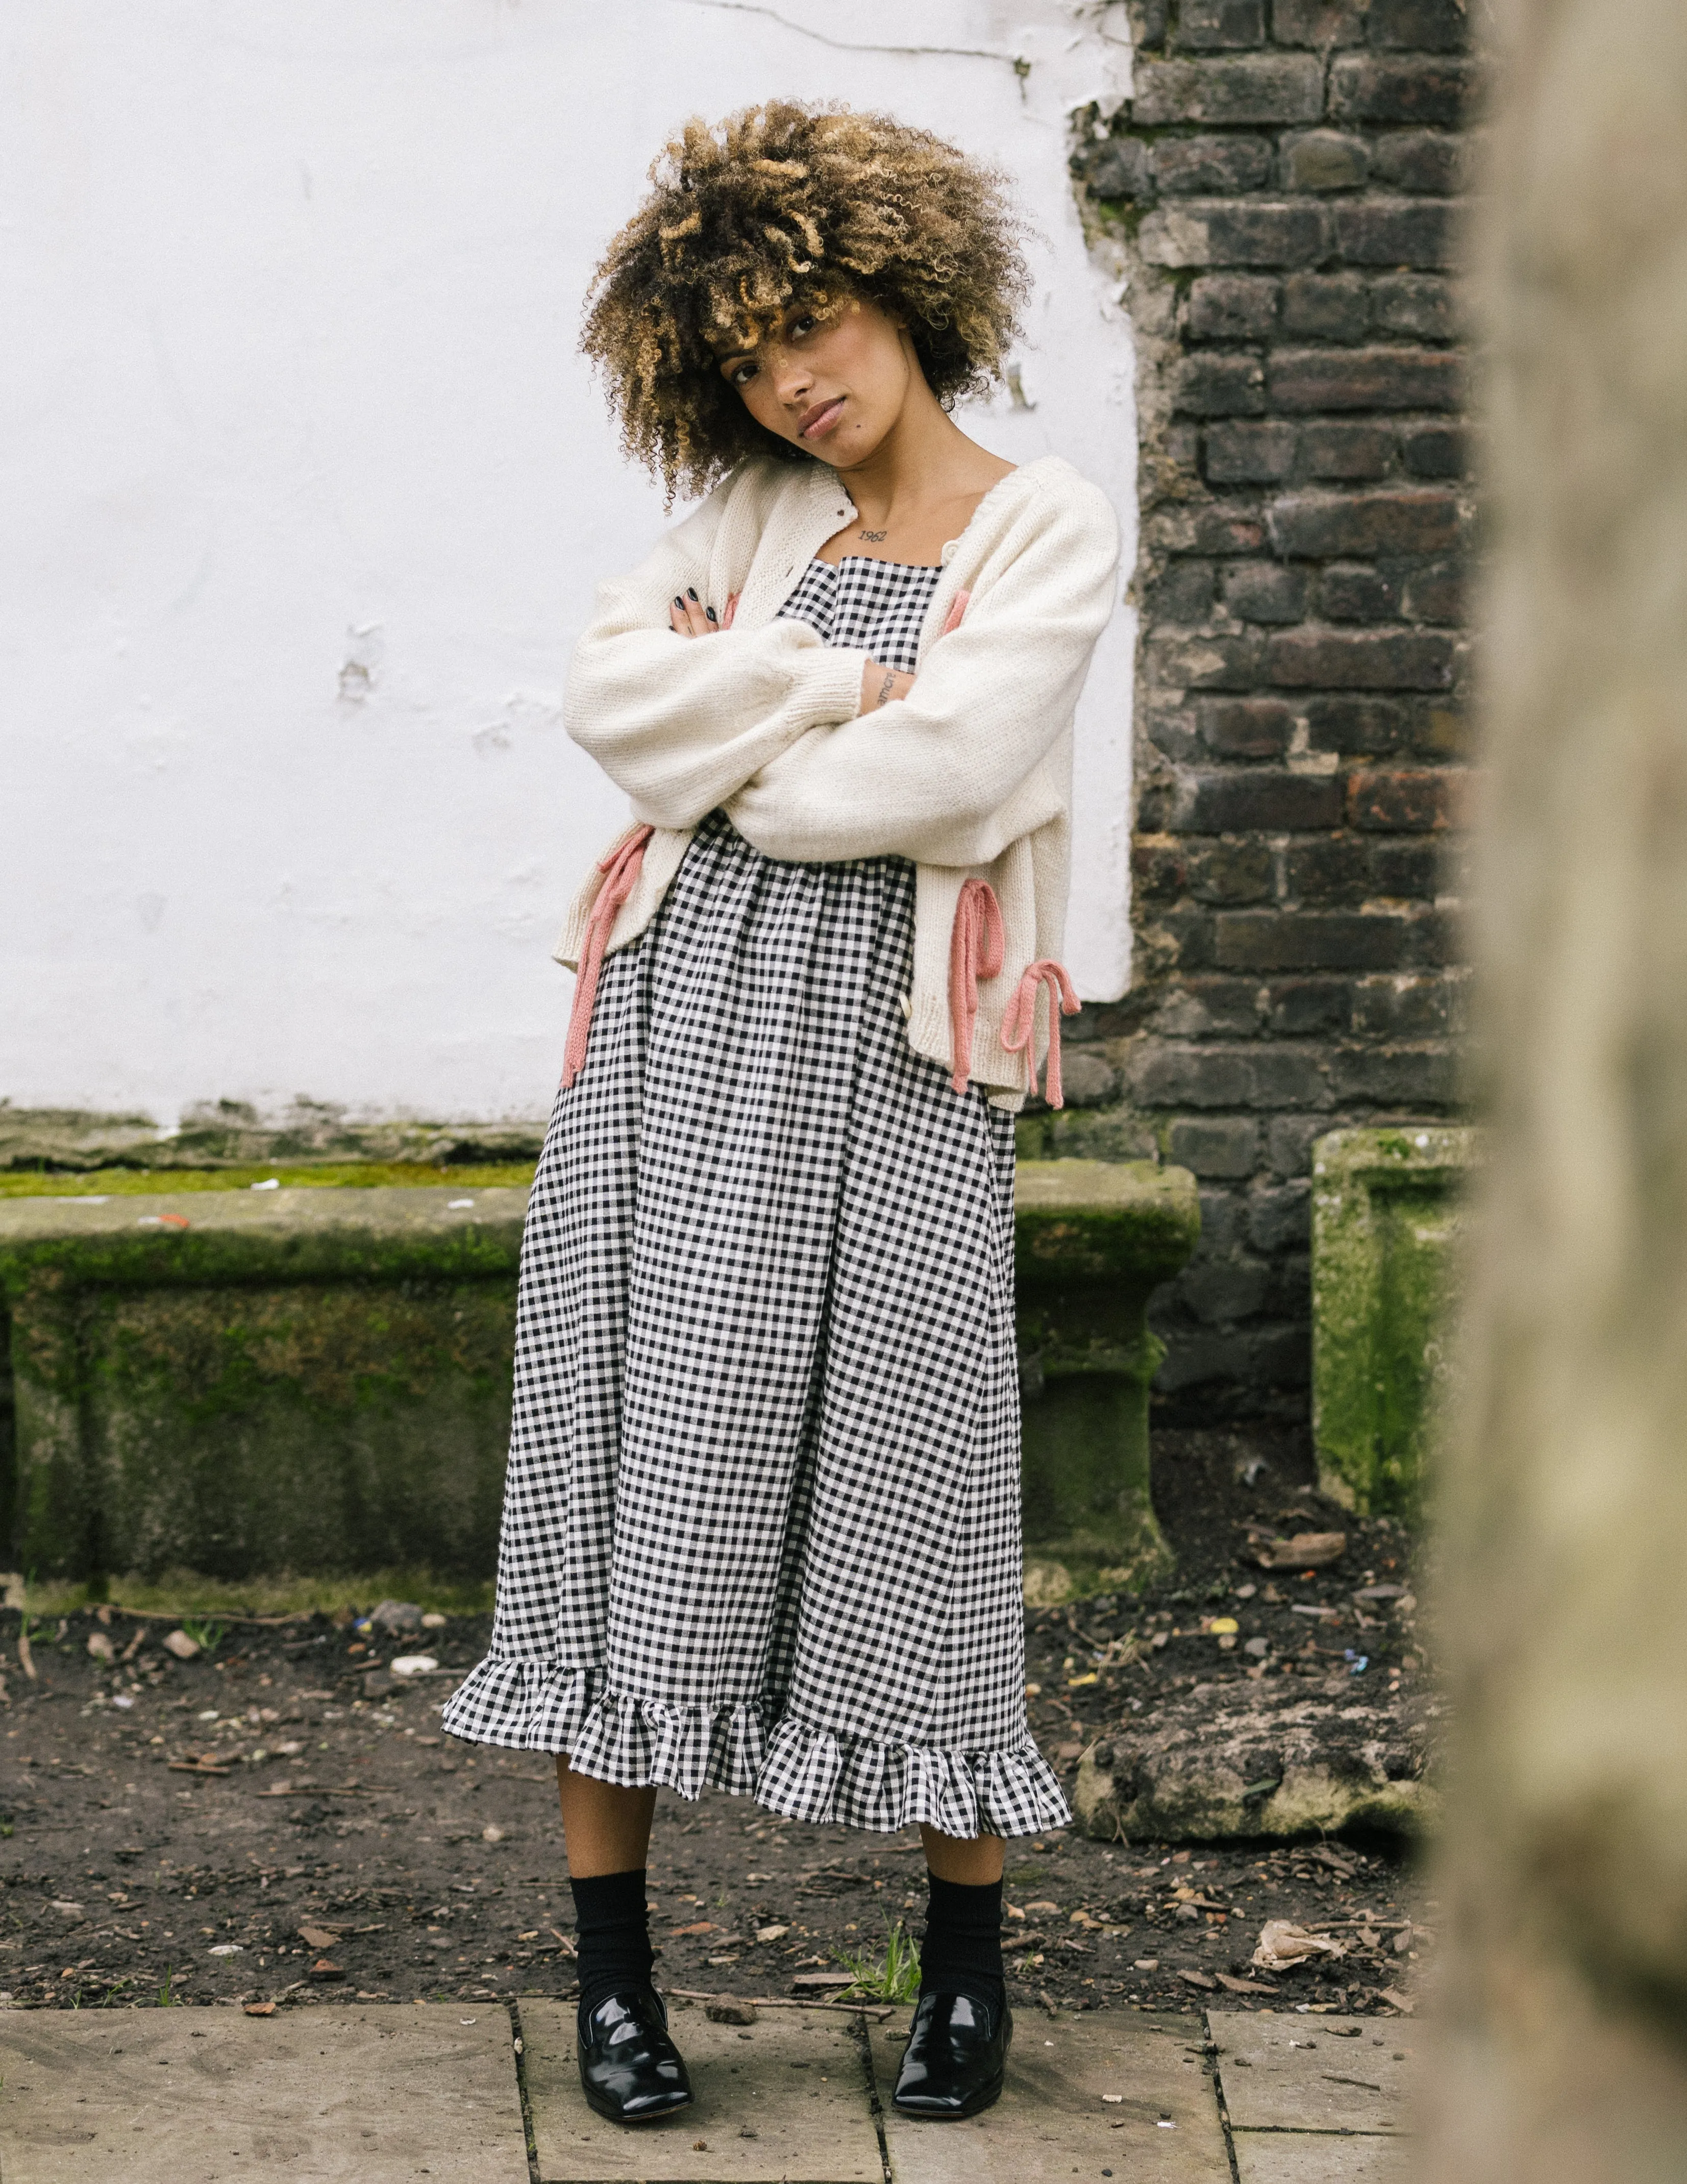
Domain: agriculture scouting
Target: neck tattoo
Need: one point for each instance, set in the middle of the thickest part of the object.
(878, 537)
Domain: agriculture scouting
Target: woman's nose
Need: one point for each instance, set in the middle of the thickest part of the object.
(792, 377)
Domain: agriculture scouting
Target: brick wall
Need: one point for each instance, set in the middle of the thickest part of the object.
(1285, 187)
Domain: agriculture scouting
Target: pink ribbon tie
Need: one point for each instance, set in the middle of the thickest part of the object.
(1020, 1019)
(975, 945)
(620, 870)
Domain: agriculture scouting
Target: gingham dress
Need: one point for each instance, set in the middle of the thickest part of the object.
(762, 1519)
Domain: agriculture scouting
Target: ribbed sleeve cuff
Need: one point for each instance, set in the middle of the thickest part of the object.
(827, 683)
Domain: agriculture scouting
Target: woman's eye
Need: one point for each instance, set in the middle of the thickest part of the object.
(741, 374)
(804, 324)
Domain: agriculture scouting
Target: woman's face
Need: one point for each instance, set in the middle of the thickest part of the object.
(832, 378)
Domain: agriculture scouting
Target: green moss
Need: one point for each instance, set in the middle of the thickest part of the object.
(188, 1592)
(313, 1175)
(1385, 1242)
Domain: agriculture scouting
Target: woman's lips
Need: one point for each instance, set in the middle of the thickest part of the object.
(816, 423)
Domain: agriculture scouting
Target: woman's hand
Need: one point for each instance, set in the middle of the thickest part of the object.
(689, 617)
(881, 685)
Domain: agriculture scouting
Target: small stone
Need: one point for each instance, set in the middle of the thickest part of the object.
(101, 1646)
(493, 1834)
(728, 2010)
(396, 1615)
(184, 1647)
(414, 1664)
(433, 1620)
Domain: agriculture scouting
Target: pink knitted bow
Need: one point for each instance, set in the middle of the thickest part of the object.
(1020, 1018)
(975, 945)
(620, 869)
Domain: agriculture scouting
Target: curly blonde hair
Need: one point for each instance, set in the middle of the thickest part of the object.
(781, 203)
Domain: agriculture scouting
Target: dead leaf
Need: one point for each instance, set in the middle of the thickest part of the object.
(260, 2008)
(318, 1937)
(1403, 2002)
(1198, 1979)
(1306, 1550)
(1283, 1945)
(1244, 1986)
(702, 1927)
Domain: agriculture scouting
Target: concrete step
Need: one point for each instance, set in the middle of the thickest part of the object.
(248, 1382)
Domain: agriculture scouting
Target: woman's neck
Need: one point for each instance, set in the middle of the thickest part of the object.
(918, 488)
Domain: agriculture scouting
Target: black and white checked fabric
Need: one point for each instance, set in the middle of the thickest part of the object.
(878, 605)
(761, 1518)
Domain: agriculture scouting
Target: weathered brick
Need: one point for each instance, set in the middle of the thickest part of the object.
(1320, 23)
(1307, 940)
(1186, 936)
(1217, 1146)
(1439, 731)
(1170, 729)
(1404, 868)
(1333, 307)
(1415, 303)
(1232, 231)
(1434, 940)
(1288, 1077)
(1405, 799)
(1176, 1076)
(1366, 379)
(1304, 1008)
(1207, 529)
(1436, 594)
(1407, 232)
(1249, 454)
(1345, 451)
(1288, 1143)
(1148, 21)
(1182, 593)
(1397, 1076)
(1210, 167)
(1199, 1361)
(1159, 869)
(1208, 1008)
(1122, 168)
(1333, 659)
(1433, 451)
(1245, 727)
(1211, 25)
(1423, 160)
(1265, 591)
(1324, 160)
(1256, 800)
(1423, 26)
(1404, 1007)
(1207, 663)
(1233, 307)
(1362, 89)
(1223, 1291)
(1230, 871)
(1350, 592)
(1220, 387)
(1281, 1219)
(1262, 88)
(1359, 728)
(1317, 525)
(1329, 871)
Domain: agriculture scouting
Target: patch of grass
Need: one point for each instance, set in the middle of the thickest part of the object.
(186, 1592)
(206, 1636)
(291, 1175)
(892, 1976)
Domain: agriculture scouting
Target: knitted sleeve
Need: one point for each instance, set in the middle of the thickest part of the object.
(681, 722)
(945, 776)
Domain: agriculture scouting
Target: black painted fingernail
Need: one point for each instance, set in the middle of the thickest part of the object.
(679, 602)
(709, 611)
(689, 594)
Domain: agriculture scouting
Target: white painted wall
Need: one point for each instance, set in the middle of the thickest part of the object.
(304, 490)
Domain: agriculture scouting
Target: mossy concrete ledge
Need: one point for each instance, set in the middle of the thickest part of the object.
(248, 1384)
(1386, 1214)
(1093, 1240)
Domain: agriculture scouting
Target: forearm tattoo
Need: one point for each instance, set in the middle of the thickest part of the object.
(887, 686)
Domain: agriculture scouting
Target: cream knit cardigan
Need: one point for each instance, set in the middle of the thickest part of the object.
(970, 776)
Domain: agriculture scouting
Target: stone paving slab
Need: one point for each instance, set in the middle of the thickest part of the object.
(784, 2101)
(354, 2095)
(1313, 2074)
(1304, 2156)
(1054, 2119)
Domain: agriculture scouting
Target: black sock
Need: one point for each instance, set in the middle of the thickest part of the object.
(962, 1951)
(614, 1936)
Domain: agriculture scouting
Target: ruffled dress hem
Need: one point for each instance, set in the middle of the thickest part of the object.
(789, 1767)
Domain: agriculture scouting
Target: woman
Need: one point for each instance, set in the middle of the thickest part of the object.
(761, 1519)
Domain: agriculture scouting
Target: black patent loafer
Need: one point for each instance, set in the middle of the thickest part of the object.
(956, 2057)
(630, 2069)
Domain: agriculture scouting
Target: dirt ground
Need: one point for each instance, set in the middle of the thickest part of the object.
(280, 1820)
